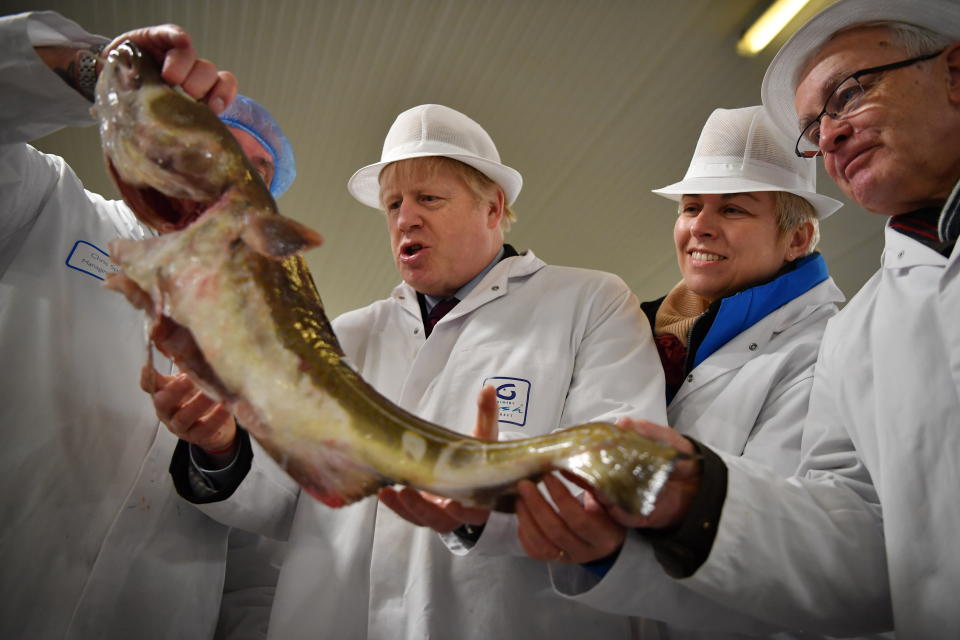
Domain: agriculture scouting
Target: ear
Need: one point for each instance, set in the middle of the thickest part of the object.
(952, 56)
(495, 207)
(800, 239)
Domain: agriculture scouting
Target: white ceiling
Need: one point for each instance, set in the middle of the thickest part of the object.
(595, 102)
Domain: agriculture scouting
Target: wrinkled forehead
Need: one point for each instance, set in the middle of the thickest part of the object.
(844, 53)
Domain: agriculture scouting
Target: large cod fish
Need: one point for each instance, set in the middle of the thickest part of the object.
(227, 280)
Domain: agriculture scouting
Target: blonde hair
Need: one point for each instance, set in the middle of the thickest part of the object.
(482, 187)
(792, 211)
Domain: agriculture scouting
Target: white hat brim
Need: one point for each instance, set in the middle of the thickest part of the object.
(780, 80)
(364, 184)
(823, 205)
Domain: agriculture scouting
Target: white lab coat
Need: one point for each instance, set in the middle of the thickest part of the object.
(95, 541)
(582, 348)
(749, 399)
(249, 585)
(883, 427)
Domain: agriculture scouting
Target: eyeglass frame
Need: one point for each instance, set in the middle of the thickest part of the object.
(855, 76)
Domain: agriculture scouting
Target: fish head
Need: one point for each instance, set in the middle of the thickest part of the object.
(170, 156)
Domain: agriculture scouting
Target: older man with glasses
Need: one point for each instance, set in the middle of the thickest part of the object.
(864, 537)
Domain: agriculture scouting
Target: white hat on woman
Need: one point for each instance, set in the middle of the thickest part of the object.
(435, 130)
(740, 151)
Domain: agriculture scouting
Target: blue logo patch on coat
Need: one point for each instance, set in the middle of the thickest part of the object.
(91, 260)
(513, 397)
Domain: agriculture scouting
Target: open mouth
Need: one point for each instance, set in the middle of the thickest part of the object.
(158, 210)
(411, 250)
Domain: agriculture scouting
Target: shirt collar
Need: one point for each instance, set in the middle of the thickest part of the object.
(949, 224)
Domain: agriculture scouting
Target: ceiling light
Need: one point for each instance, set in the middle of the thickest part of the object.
(767, 26)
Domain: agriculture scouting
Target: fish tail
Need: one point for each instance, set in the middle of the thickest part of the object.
(627, 469)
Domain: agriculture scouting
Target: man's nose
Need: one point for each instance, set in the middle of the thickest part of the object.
(408, 215)
(833, 132)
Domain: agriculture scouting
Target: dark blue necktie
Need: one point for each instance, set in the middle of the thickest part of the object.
(439, 310)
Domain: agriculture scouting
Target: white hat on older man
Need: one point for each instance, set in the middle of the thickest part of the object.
(782, 76)
(740, 151)
(435, 130)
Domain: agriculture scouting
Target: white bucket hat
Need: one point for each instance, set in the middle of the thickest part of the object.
(740, 151)
(780, 80)
(435, 130)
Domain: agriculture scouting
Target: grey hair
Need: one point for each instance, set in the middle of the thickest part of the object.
(916, 41)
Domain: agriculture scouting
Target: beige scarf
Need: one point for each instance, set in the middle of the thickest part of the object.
(679, 310)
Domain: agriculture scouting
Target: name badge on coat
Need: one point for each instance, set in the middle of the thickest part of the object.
(513, 397)
(91, 260)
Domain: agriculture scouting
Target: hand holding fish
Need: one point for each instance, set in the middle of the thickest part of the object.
(443, 515)
(171, 46)
(681, 486)
(573, 532)
(189, 413)
(586, 531)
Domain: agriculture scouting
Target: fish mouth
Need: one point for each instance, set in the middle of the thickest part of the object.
(126, 66)
(157, 210)
(170, 156)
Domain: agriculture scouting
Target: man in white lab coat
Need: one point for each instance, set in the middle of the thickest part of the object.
(864, 537)
(562, 346)
(94, 538)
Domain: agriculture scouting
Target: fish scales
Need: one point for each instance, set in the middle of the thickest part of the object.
(229, 273)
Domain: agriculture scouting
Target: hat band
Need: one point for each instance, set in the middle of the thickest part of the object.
(732, 167)
(431, 147)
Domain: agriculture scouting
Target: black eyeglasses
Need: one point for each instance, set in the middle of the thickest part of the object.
(844, 101)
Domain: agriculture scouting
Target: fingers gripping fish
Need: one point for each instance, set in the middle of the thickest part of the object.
(227, 281)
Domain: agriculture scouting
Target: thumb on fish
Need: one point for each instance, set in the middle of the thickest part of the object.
(659, 433)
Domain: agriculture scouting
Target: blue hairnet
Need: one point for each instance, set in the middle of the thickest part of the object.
(246, 114)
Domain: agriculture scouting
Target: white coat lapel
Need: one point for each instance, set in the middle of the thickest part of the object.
(434, 354)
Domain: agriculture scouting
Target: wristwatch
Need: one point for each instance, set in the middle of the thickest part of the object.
(86, 80)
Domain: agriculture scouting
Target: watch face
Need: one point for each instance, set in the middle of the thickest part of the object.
(86, 70)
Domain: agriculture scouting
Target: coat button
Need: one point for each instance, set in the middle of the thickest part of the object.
(495, 287)
(753, 346)
(416, 330)
(690, 378)
(900, 254)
